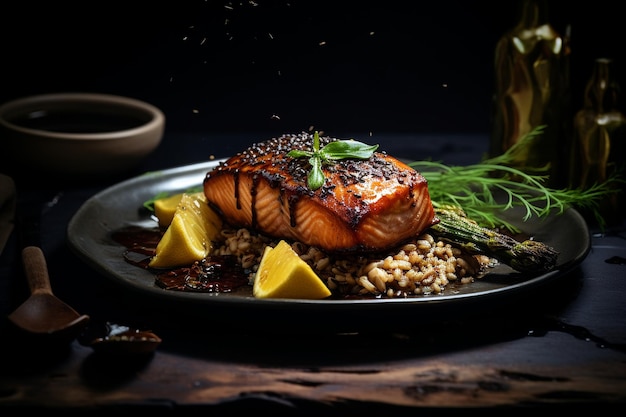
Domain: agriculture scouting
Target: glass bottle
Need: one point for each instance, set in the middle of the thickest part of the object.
(532, 90)
(599, 133)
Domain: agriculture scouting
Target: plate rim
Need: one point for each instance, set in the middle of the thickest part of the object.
(76, 243)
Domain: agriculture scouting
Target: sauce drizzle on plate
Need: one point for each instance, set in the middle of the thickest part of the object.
(215, 274)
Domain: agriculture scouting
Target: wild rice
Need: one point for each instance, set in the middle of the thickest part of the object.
(423, 266)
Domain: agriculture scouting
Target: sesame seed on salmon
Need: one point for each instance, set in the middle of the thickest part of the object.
(364, 204)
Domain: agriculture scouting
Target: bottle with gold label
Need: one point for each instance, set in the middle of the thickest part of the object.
(532, 90)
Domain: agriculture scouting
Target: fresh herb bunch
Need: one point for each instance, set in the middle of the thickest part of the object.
(484, 190)
(333, 151)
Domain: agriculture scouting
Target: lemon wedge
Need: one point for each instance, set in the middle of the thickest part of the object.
(165, 208)
(190, 235)
(283, 274)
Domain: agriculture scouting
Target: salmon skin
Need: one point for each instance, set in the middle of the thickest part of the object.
(364, 205)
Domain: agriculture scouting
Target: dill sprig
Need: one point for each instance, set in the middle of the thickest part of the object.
(486, 189)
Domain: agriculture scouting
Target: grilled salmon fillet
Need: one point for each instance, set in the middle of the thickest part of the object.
(364, 205)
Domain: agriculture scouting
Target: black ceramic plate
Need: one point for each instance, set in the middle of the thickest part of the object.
(118, 206)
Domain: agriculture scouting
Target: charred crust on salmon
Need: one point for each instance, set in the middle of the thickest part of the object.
(363, 204)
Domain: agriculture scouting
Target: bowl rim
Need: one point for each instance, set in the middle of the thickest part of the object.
(155, 122)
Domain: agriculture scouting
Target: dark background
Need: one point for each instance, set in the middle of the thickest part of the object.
(283, 66)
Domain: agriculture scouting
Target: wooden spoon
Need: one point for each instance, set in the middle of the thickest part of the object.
(43, 313)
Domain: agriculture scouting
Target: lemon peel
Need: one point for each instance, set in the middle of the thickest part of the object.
(283, 274)
(190, 235)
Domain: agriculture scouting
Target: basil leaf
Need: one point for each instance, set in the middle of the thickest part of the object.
(296, 153)
(342, 149)
(316, 177)
(345, 149)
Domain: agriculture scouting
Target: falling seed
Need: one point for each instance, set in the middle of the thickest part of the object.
(322, 43)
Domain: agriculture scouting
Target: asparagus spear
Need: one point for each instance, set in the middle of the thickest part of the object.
(527, 256)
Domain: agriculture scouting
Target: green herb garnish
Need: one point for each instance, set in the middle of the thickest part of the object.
(473, 188)
(149, 204)
(333, 151)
